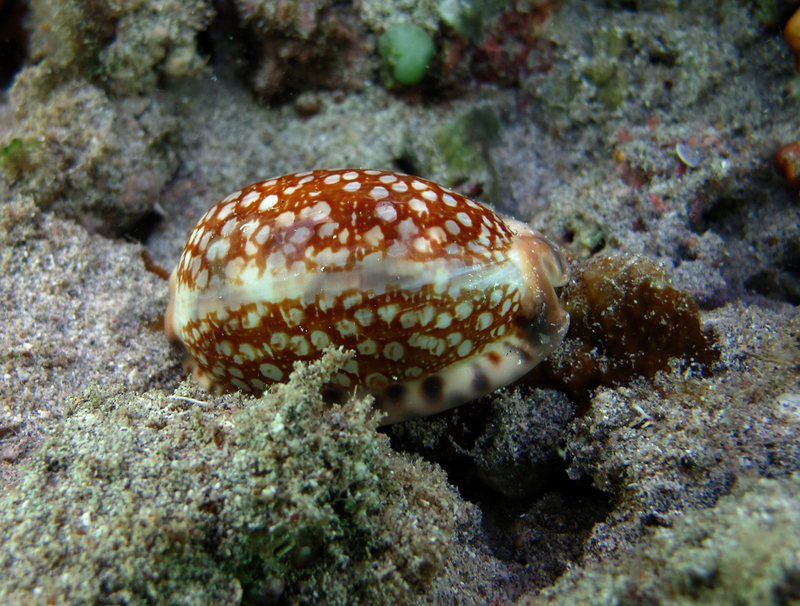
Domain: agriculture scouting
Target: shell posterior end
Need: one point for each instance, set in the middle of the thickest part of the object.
(169, 316)
(190, 365)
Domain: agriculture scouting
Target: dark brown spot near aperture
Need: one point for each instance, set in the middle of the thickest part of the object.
(480, 382)
(494, 358)
(432, 389)
(395, 393)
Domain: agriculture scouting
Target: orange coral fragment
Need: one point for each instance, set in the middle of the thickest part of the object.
(791, 33)
(787, 162)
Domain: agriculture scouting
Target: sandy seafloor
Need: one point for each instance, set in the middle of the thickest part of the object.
(641, 131)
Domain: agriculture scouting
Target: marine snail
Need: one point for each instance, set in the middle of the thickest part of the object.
(442, 299)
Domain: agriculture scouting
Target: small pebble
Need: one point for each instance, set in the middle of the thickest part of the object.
(690, 156)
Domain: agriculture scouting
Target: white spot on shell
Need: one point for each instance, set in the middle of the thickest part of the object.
(326, 230)
(276, 261)
(452, 227)
(228, 228)
(347, 328)
(376, 381)
(386, 211)
(406, 228)
(225, 211)
(225, 348)
(352, 186)
(231, 197)
(279, 340)
(300, 236)
(364, 316)
(409, 319)
(196, 235)
(250, 198)
(387, 313)
(285, 219)
(351, 367)
(374, 237)
(495, 297)
(299, 346)
(367, 348)
(271, 372)
(248, 228)
(454, 338)
(393, 351)
(443, 320)
(294, 317)
(422, 245)
(248, 351)
(378, 193)
(351, 300)
(484, 321)
(463, 310)
(319, 211)
(262, 235)
(204, 242)
(319, 339)
(251, 320)
(219, 249)
(268, 202)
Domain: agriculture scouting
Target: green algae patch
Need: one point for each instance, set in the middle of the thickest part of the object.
(743, 551)
(407, 49)
(15, 157)
(156, 499)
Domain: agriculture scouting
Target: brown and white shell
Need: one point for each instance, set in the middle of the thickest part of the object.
(442, 299)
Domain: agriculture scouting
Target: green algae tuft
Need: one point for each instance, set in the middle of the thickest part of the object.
(155, 499)
(407, 49)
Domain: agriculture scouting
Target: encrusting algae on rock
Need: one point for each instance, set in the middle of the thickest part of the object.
(151, 499)
(627, 321)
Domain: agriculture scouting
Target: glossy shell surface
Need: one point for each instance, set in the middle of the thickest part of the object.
(442, 299)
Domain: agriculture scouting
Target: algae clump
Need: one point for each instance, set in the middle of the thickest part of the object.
(156, 499)
(407, 49)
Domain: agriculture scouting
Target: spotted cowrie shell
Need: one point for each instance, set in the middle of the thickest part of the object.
(442, 299)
